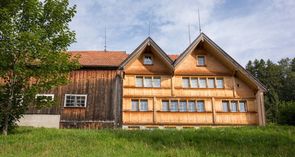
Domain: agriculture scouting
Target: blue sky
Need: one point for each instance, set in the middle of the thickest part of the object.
(246, 29)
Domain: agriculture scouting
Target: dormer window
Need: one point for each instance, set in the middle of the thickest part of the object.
(201, 61)
(148, 60)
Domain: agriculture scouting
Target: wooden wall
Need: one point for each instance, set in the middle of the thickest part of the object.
(103, 89)
(235, 88)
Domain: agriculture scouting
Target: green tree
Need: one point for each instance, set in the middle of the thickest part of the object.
(279, 78)
(34, 36)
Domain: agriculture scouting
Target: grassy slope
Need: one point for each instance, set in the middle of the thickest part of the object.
(244, 141)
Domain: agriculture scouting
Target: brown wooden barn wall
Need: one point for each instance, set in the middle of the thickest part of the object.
(103, 89)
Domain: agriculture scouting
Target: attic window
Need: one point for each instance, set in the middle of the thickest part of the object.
(201, 61)
(148, 60)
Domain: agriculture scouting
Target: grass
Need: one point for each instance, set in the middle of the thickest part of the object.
(242, 141)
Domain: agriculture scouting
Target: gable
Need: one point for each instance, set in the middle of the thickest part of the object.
(213, 66)
(134, 64)
(225, 64)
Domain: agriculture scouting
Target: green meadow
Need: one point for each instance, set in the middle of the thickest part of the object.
(227, 141)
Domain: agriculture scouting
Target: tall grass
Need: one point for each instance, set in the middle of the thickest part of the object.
(240, 141)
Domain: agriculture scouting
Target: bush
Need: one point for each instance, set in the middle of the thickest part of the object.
(287, 113)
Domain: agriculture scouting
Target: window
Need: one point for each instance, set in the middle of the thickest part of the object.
(219, 83)
(201, 60)
(182, 106)
(75, 100)
(165, 105)
(211, 83)
(233, 106)
(147, 81)
(191, 106)
(44, 97)
(139, 105)
(174, 106)
(185, 82)
(225, 106)
(157, 82)
(134, 104)
(242, 105)
(201, 106)
(139, 81)
(194, 82)
(143, 105)
(148, 60)
(202, 82)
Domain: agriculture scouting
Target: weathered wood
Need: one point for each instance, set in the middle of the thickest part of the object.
(101, 88)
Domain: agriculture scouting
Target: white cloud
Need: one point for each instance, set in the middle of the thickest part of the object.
(264, 31)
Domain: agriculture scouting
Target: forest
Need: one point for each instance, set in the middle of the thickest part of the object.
(279, 79)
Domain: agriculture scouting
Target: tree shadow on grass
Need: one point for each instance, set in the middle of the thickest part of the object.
(21, 130)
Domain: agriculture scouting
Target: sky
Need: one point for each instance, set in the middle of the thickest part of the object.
(245, 29)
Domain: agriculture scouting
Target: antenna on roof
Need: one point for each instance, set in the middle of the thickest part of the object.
(189, 34)
(200, 30)
(149, 29)
(105, 38)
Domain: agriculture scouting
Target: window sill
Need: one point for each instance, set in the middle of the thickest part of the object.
(183, 112)
(236, 112)
(73, 107)
(200, 88)
(146, 87)
(201, 65)
(137, 111)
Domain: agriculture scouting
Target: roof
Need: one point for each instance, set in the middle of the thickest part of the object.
(173, 57)
(148, 42)
(100, 58)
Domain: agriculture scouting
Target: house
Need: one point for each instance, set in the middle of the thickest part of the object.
(148, 88)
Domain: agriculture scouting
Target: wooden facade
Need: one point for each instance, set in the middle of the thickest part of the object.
(102, 88)
(149, 88)
(238, 87)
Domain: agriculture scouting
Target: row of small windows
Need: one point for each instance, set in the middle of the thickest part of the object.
(188, 105)
(196, 82)
(183, 105)
(234, 106)
(79, 100)
(187, 82)
(148, 81)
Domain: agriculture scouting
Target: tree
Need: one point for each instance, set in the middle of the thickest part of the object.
(33, 39)
(279, 78)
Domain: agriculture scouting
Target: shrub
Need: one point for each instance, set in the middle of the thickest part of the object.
(287, 113)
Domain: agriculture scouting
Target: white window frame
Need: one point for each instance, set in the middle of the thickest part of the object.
(65, 100)
(46, 95)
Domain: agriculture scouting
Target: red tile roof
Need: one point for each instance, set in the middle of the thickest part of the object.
(104, 59)
(100, 58)
(173, 57)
